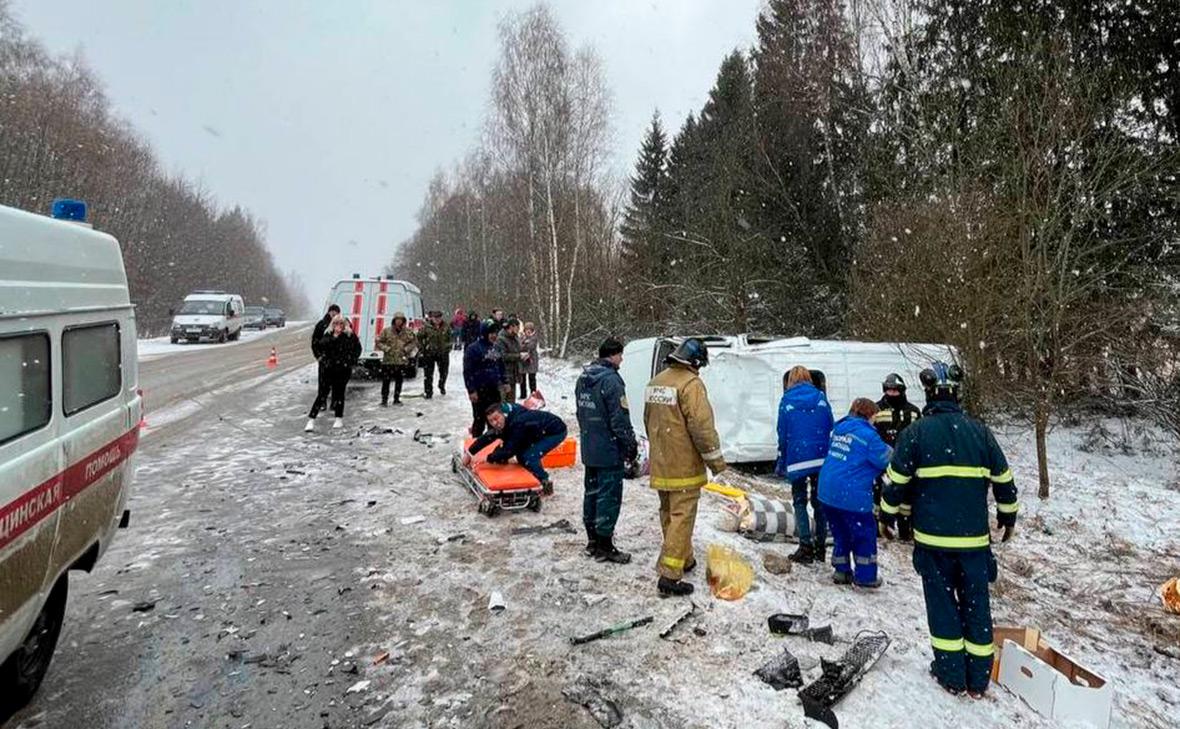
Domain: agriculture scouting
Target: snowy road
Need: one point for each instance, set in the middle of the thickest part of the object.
(285, 590)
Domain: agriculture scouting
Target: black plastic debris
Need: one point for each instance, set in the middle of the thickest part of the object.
(787, 624)
(841, 676)
(561, 525)
(781, 672)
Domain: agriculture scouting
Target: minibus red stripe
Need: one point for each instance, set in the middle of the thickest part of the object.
(28, 509)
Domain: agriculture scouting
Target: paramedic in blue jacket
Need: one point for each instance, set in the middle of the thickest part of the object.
(856, 457)
(804, 426)
(525, 434)
(943, 467)
(482, 373)
(608, 441)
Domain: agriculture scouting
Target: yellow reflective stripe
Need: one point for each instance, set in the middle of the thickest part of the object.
(983, 651)
(933, 540)
(672, 562)
(953, 472)
(905, 509)
(1005, 477)
(889, 508)
(946, 644)
(896, 477)
(1008, 508)
(883, 416)
(678, 481)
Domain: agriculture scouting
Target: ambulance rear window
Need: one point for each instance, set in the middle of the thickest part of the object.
(90, 366)
(26, 398)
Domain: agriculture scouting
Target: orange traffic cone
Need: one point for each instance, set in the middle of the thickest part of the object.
(273, 360)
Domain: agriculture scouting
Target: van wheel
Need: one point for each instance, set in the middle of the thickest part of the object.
(27, 666)
(236, 335)
(221, 337)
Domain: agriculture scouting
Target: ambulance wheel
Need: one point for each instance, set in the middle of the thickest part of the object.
(175, 340)
(535, 504)
(22, 673)
(221, 337)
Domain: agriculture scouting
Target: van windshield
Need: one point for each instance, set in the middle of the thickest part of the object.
(210, 308)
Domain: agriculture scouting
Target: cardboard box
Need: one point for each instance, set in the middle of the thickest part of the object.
(1049, 681)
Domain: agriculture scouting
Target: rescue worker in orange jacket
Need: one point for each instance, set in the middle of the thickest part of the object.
(683, 438)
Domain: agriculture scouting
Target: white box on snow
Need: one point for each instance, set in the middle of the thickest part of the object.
(1050, 682)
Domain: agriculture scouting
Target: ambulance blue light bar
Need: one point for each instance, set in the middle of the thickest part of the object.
(65, 208)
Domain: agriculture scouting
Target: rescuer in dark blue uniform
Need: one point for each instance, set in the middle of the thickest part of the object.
(942, 467)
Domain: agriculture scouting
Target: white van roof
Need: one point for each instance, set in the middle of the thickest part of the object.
(210, 296)
(52, 265)
(348, 282)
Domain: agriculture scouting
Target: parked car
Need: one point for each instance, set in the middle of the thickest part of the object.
(275, 318)
(70, 410)
(745, 380)
(255, 318)
(214, 316)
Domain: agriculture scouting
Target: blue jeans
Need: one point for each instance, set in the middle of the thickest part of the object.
(604, 496)
(854, 543)
(799, 497)
(531, 458)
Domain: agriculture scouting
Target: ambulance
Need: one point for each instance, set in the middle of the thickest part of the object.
(370, 303)
(70, 409)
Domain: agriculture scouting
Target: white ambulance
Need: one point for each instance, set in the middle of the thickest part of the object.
(370, 303)
(70, 410)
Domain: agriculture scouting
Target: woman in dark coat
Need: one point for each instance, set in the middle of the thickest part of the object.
(339, 351)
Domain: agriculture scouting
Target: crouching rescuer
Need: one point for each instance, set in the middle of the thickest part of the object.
(942, 466)
(524, 434)
(679, 423)
(608, 440)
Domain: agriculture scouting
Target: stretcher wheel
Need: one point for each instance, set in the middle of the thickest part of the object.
(454, 465)
(535, 504)
(493, 509)
(483, 507)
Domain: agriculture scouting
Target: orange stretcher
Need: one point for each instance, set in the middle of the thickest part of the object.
(507, 486)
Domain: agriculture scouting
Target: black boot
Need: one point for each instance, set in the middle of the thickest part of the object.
(905, 529)
(442, 389)
(819, 552)
(591, 549)
(677, 588)
(607, 552)
(803, 555)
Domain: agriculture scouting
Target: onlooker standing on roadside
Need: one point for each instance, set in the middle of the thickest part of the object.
(607, 441)
(471, 329)
(339, 350)
(434, 349)
(457, 322)
(323, 387)
(482, 374)
(531, 360)
(398, 345)
(509, 350)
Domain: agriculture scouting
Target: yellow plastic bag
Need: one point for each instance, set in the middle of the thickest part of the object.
(729, 574)
(1170, 593)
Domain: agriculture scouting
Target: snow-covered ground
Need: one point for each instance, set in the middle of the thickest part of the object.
(155, 347)
(1083, 567)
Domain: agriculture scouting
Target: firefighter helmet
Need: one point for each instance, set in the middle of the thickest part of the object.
(691, 352)
(893, 382)
(942, 379)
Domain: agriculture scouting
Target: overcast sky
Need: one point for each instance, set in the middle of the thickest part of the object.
(327, 118)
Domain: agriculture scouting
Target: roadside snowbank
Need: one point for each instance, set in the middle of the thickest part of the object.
(156, 347)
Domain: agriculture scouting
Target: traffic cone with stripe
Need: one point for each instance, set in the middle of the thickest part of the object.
(273, 360)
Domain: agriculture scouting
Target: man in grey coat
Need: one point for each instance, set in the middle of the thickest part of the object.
(608, 440)
(509, 351)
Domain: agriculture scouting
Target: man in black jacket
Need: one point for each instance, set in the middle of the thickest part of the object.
(895, 414)
(526, 435)
(608, 440)
(323, 387)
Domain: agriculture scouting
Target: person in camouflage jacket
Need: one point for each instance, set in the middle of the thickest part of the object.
(398, 346)
(434, 347)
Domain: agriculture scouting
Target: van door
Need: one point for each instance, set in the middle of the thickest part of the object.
(31, 462)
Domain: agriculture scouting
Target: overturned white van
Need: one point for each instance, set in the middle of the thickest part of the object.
(70, 410)
(745, 380)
